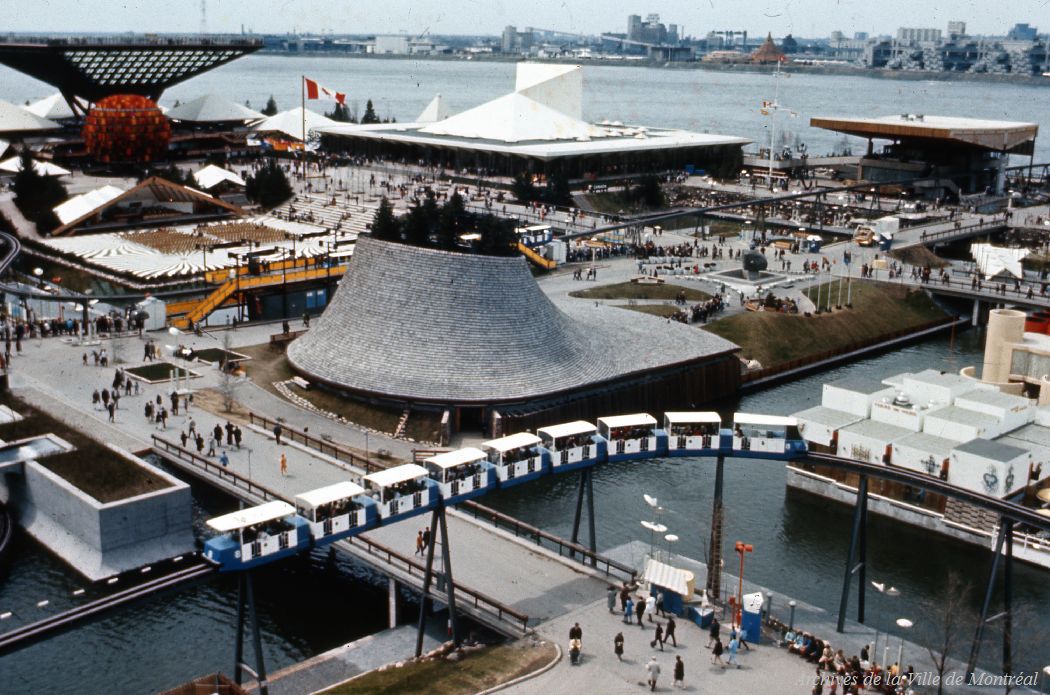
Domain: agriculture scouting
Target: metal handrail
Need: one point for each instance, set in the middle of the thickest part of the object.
(210, 467)
(500, 520)
(481, 601)
(339, 453)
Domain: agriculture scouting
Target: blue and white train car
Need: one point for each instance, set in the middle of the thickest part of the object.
(694, 433)
(337, 511)
(767, 436)
(462, 474)
(256, 536)
(402, 491)
(572, 445)
(517, 458)
(631, 436)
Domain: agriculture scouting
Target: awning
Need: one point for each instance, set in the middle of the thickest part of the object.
(668, 577)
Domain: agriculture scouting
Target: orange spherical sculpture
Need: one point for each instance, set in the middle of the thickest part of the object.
(126, 128)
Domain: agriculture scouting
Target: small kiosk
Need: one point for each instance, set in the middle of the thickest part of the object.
(693, 434)
(517, 458)
(461, 474)
(629, 436)
(751, 617)
(767, 436)
(335, 511)
(402, 491)
(571, 445)
(256, 535)
(677, 585)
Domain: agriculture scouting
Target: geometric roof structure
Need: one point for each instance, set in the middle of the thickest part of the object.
(995, 260)
(514, 118)
(16, 120)
(155, 201)
(291, 123)
(14, 165)
(558, 86)
(998, 136)
(424, 325)
(53, 107)
(212, 108)
(93, 69)
(212, 175)
(436, 110)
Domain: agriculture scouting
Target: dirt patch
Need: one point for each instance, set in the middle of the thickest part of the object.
(920, 256)
(634, 290)
(664, 311)
(91, 467)
(475, 672)
(879, 310)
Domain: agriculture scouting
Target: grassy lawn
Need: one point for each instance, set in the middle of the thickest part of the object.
(662, 310)
(878, 309)
(475, 672)
(91, 467)
(631, 290)
(269, 364)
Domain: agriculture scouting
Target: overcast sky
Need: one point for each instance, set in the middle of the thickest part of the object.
(807, 18)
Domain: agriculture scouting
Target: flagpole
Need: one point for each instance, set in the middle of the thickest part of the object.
(302, 110)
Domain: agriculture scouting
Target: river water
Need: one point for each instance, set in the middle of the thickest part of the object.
(315, 604)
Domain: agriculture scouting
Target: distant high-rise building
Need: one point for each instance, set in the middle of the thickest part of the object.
(860, 36)
(1022, 32)
(837, 36)
(956, 29)
(918, 35)
(634, 27)
(510, 35)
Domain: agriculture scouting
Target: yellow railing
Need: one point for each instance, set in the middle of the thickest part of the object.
(536, 258)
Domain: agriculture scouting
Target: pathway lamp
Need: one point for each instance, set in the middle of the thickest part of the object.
(892, 592)
(791, 621)
(903, 624)
(741, 549)
(670, 538)
(1046, 676)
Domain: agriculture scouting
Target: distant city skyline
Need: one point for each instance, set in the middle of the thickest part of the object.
(804, 18)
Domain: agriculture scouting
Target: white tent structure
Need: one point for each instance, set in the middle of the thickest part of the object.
(212, 108)
(14, 165)
(436, 110)
(15, 119)
(54, 107)
(4, 144)
(996, 260)
(211, 176)
(82, 204)
(290, 123)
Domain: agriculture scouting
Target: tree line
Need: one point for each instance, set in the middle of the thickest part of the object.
(430, 225)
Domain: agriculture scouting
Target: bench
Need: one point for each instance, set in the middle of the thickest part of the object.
(282, 338)
(300, 382)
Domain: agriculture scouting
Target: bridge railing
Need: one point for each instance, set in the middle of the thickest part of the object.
(336, 451)
(565, 548)
(479, 600)
(215, 469)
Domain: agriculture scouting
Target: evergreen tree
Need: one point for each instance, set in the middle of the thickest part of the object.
(523, 189)
(269, 187)
(384, 225)
(497, 236)
(450, 223)
(417, 226)
(341, 113)
(649, 192)
(370, 114)
(271, 107)
(557, 191)
(36, 195)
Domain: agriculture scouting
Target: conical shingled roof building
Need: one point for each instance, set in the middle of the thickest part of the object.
(438, 329)
(767, 53)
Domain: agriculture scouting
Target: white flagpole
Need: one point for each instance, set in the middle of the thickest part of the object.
(302, 90)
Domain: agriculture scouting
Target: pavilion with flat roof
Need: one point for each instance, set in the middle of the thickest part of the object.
(958, 156)
(537, 128)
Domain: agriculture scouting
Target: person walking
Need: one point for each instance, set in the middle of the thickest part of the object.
(112, 407)
(576, 632)
(96, 398)
(628, 611)
(199, 441)
(284, 464)
(277, 433)
(419, 542)
(653, 670)
(211, 447)
(734, 644)
(679, 672)
(658, 639)
(639, 611)
(610, 598)
(224, 460)
(716, 653)
(650, 606)
(183, 437)
(426, 538)
(669, 631)
(712, 633)
(618, 646)
(237, 434)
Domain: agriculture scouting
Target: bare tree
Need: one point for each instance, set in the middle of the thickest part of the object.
(950, 616)
(227, 382)
(1030, 649)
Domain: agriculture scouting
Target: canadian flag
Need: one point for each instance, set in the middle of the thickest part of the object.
(317, 91)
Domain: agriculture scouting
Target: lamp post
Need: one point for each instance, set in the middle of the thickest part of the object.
(904, 624)
(741, 549)
(791, 621)
(1046, 675)
(885, 591)
(670, 538)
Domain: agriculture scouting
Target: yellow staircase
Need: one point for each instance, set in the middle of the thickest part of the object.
(536, 258)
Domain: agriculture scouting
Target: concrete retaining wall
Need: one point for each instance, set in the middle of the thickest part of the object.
(100, 540)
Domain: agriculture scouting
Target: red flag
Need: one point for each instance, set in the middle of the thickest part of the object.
(317, 91)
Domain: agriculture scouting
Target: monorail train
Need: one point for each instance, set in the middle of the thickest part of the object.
(271, 531)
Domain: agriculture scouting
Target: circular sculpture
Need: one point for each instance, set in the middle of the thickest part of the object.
(126, 128)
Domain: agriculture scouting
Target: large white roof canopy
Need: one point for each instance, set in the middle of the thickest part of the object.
(15, 119)
(14, 164)
(290, 123)
(211, 175)
(993, 260)
(212, 108)
(54, 107)
(251, 516)
(80, 205)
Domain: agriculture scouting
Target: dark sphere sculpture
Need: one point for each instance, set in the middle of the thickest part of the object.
(126, 128)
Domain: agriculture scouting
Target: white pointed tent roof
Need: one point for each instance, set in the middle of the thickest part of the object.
(212, 175)
(436, 110)
(546, 105)
(290, 123)
(54, 107)
(14, 164)
(15, 119)
(212, 108)
(993, 260)
(82, 204)
(4, 144)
